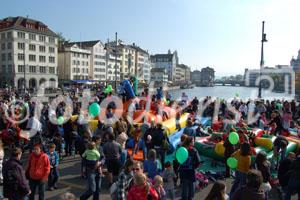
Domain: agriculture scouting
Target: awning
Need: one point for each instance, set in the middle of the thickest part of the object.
(88, 82)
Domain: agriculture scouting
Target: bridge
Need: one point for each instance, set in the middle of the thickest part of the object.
(229, 83)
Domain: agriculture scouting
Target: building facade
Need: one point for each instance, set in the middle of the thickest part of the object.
(295, 64)
(142, 64)
(182, 74)
(196, 76)
(28, 52)
(207, 76)
(159, 75)
(74, 63)
(167, 61)
(280, 76)
(97, 71)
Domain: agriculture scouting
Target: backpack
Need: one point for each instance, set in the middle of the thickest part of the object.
(11, 184)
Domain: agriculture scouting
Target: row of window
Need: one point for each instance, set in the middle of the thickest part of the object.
(37, 69)
(83, 63)
(32, 58)
(100, 76)
(100, 57)
(99, 63)
(83, 70)
(80, 55)
(6, 70)
(99, 70)
(32, 47)
(80, 77)
(4, 58)
(32, 36)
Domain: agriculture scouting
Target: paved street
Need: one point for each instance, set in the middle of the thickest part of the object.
(70, 181)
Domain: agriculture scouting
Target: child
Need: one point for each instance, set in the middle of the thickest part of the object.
(272, 129)
(151, 165)
(59, 143)
(91, 156)
(158, 185)
(141, 190)
(177, 119)
(54, 160)
(168, 178)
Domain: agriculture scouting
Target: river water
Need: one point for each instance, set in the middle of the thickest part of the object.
(228, 92)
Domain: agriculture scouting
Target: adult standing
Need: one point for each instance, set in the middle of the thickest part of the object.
(38, 171)
(124, 180)
(187, 170)
(244, 161)
(112, 151)
(264, 166)
(252, 189)
(68, 136)
(159, 138)
(15, 185)
(294, 181)
(283, 170)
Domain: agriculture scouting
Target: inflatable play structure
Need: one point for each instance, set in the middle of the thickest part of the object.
(262, 143)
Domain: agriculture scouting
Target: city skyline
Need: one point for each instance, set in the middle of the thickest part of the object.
(225, 36)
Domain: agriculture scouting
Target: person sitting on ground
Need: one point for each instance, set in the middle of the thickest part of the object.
(252, 189)
(200, 131)
(189, 130)
(217, 192)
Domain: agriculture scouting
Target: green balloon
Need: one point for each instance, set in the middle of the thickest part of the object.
(233, 138)
(181, 155)
(94, 109)
(108, 89)
(232, 162)
(26, 105)
(168, 102)
(60, 120)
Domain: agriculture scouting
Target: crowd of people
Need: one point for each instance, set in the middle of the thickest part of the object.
(133, 157)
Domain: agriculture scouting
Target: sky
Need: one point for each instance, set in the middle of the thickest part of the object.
(223, 34)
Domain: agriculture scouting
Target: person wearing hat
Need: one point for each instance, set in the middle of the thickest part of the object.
(38, 171)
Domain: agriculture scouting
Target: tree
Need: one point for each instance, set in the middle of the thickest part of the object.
(61, 40)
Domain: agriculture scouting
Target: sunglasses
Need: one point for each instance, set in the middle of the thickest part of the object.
(136, 169)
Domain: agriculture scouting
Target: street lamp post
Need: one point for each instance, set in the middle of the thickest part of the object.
(263, 39)
(24, 82)
(116, 61)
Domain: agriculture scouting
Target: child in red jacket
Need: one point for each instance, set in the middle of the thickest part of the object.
(141, 189)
